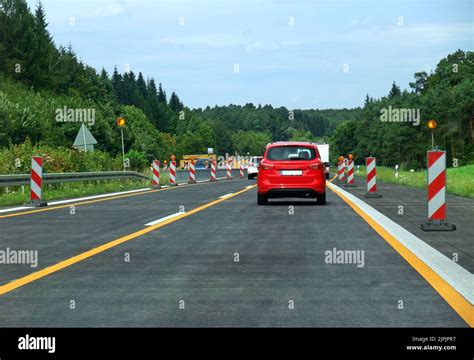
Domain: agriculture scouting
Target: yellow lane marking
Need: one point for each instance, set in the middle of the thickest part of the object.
(34, 211)
(447, 292)
(75, 259)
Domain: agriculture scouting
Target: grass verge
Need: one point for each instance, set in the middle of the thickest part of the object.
(460, 181)
(15, 195)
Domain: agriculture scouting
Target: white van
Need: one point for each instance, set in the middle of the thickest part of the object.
(252, 169)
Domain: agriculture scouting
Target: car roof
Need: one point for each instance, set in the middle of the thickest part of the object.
(291, 143)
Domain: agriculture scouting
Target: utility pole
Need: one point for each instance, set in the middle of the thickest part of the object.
(121, 124)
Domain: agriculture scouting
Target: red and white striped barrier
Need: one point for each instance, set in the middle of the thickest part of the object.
(192, 173)
(229, 171)
(350, 174)
(241, 168)
(36, 182)
(213, 171)
(341, 174)
(155, 182)
(371, 169)
(173, 173)
(437, 193)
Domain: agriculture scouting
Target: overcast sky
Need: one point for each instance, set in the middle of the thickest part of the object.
(289, 52)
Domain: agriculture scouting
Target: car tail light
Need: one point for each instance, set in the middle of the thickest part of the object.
(266, 166)
(316, 166)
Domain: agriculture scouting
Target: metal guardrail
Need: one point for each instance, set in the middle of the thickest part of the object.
(57, 178)
(204, 174)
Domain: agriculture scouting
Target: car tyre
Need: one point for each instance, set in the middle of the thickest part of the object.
(262, 199)
(321, 199)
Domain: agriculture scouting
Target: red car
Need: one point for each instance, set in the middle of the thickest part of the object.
(291, 169)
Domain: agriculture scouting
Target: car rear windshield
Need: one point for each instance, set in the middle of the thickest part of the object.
(289, 153)
(255, 160)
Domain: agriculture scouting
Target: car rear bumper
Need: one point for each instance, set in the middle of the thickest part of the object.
(286, 193)
(292, 190)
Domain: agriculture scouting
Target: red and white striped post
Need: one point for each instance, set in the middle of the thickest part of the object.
(192, 173)
(229, 171)
(341, 174)
(437, 193)
(371, 169)
(173, 171)
(213, 171)
(241, 170)
(36, 182)
(350, 172)
(155, 181)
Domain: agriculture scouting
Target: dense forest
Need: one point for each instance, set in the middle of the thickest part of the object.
(446, 95)
(37, 78)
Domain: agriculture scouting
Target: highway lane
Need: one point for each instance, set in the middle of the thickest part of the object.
(191, 263)
(58, 234)
(460, 211)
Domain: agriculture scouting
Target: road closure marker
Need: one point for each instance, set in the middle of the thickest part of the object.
(341, 170)
(229, 171)
(192, 172)
(155, 183)
(371, 169)
(437, 193)
(36, 187)
(213, 171)
(173, 171)
(350, 173)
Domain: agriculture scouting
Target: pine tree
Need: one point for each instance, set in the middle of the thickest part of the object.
(16, 31)
(367, 101)
(141, 86)
(117, 83)
(104, 75)
(174, 103)
(394, 91)
(43, 51)
(151, 89)
(161, 94)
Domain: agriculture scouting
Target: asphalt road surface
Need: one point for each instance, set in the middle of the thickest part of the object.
(221, 263)
(413, 203)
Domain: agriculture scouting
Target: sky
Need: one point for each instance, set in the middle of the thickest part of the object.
(294, 53)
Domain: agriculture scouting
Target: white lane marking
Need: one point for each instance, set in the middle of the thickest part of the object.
(203, 181)
(59, 202)
(14, 209)
(453, 273)
(164, 218)
(225, 196)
